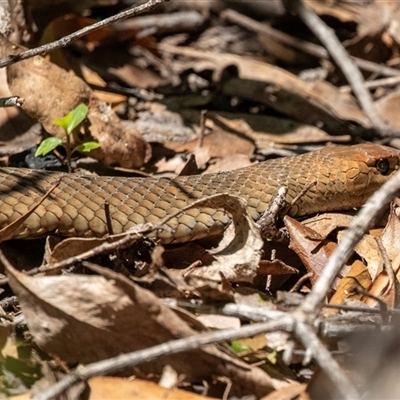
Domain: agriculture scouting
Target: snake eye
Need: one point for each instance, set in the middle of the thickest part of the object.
(383, 166)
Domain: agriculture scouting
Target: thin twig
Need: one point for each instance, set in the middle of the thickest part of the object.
(302, 45)
(13, 101)
(377, 83)
(306, 334)
(67, 40)
(344, 62)
(203, 121)
(358, 289)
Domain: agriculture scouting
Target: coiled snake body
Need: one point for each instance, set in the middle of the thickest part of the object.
(345, 177)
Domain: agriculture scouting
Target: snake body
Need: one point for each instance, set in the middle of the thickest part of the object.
(344, 176)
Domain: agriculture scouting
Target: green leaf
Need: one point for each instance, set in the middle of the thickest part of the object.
(87, 146)
(48, 145)
(238, 347)
(273, 357)
(73, 119)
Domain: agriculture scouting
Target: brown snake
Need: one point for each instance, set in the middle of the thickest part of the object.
(345, 177)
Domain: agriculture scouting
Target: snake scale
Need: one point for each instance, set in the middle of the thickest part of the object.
(344, 176)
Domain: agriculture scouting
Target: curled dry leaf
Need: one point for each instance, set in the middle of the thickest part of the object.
(239, 252)
(50, 93)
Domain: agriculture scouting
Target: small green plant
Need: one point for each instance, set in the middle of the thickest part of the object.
(238, 347)
(68, 123)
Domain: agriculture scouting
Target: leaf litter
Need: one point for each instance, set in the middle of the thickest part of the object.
(146, 83)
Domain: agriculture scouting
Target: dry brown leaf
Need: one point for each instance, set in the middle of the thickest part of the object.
(202, 155)
(275, 267)
(313, 250)
(267, 130)
(219, 143)
(294, 391)
(59, 250)
(93, 78)
(283, 52)
(311, 103)
(388, 109)
(17, 132)
(67, 322)
(358, 274)
(393, 28)
(391, 233)
(109, 388)
(229, 163)
(8, 345)
(377, 16)
(368, 250)
(324, 224)
(339, 10)
(384, 289)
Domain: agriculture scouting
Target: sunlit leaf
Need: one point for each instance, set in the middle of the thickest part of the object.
(85, 147)
(73, 119)
(48, 145)
(238, 347)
